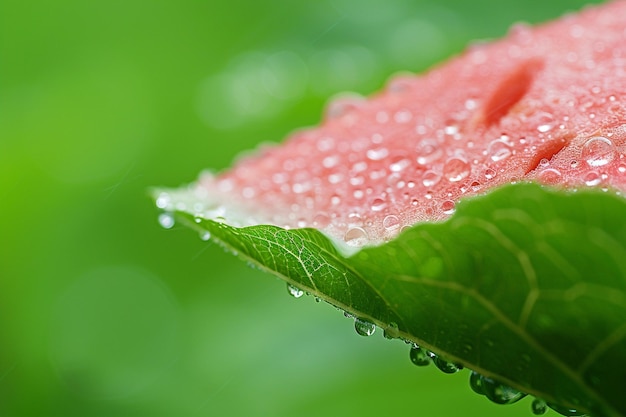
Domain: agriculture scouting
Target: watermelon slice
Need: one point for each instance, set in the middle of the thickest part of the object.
(545, 104)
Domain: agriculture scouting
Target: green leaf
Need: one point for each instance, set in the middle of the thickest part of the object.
(525, 285)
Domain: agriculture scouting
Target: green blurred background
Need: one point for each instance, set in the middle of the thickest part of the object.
(104, 313)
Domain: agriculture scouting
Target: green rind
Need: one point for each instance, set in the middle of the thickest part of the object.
(524, 285)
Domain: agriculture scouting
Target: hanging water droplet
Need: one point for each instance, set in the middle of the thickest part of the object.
(456, 169)
(445, 366)
(538, 407)
(356, 236)
(489, 173)
(500, 393)
(364, 328)
(391, 222)
(565, 410)
(476, 383)
(166, 220)
(294, 291)
(205, 235)
(598, 151)
(419, 356)
(428, 151)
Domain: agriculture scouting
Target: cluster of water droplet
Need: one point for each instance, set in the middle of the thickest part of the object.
(593, 161)
(492, 389)
(373, 169)
(378, 165)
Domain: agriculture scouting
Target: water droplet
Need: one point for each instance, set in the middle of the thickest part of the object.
(598, 151)
(498, 150)
(356, 236)
(403, 116)
(476, 383)
(364, 328)
(544, 128)
(448, 207)
(321, 220)
(573, 164)
(205, 235)
(399, 163)
(377, 154)
(500, 393)
(489, 173)
(445, 366)
(166, 220)
(391, 222)
(428, 151)
(451, 130)
(163, 201)
(456, 169)
(359, 167)
(378, 204)
(330, 161)
(343, 105)
(545, 122)
(592, 178)
(430, 178)
(538, 407)
(549, 176)
(565, 410)
(294, 291)
(419, 356)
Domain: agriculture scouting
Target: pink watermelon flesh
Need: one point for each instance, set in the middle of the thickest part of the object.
(545, 104)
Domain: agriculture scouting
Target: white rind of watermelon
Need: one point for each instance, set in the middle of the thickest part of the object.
(544, 104)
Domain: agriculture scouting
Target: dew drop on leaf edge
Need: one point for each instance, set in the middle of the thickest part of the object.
(476, 383)
(419, 356)
(565, 410)
(500, 393)
(538, 407)
(445, 366)
(364, 327)
(294, 291)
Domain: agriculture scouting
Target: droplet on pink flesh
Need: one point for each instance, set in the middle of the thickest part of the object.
(544, 104)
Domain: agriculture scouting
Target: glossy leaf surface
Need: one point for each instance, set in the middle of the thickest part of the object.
(524, 285)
